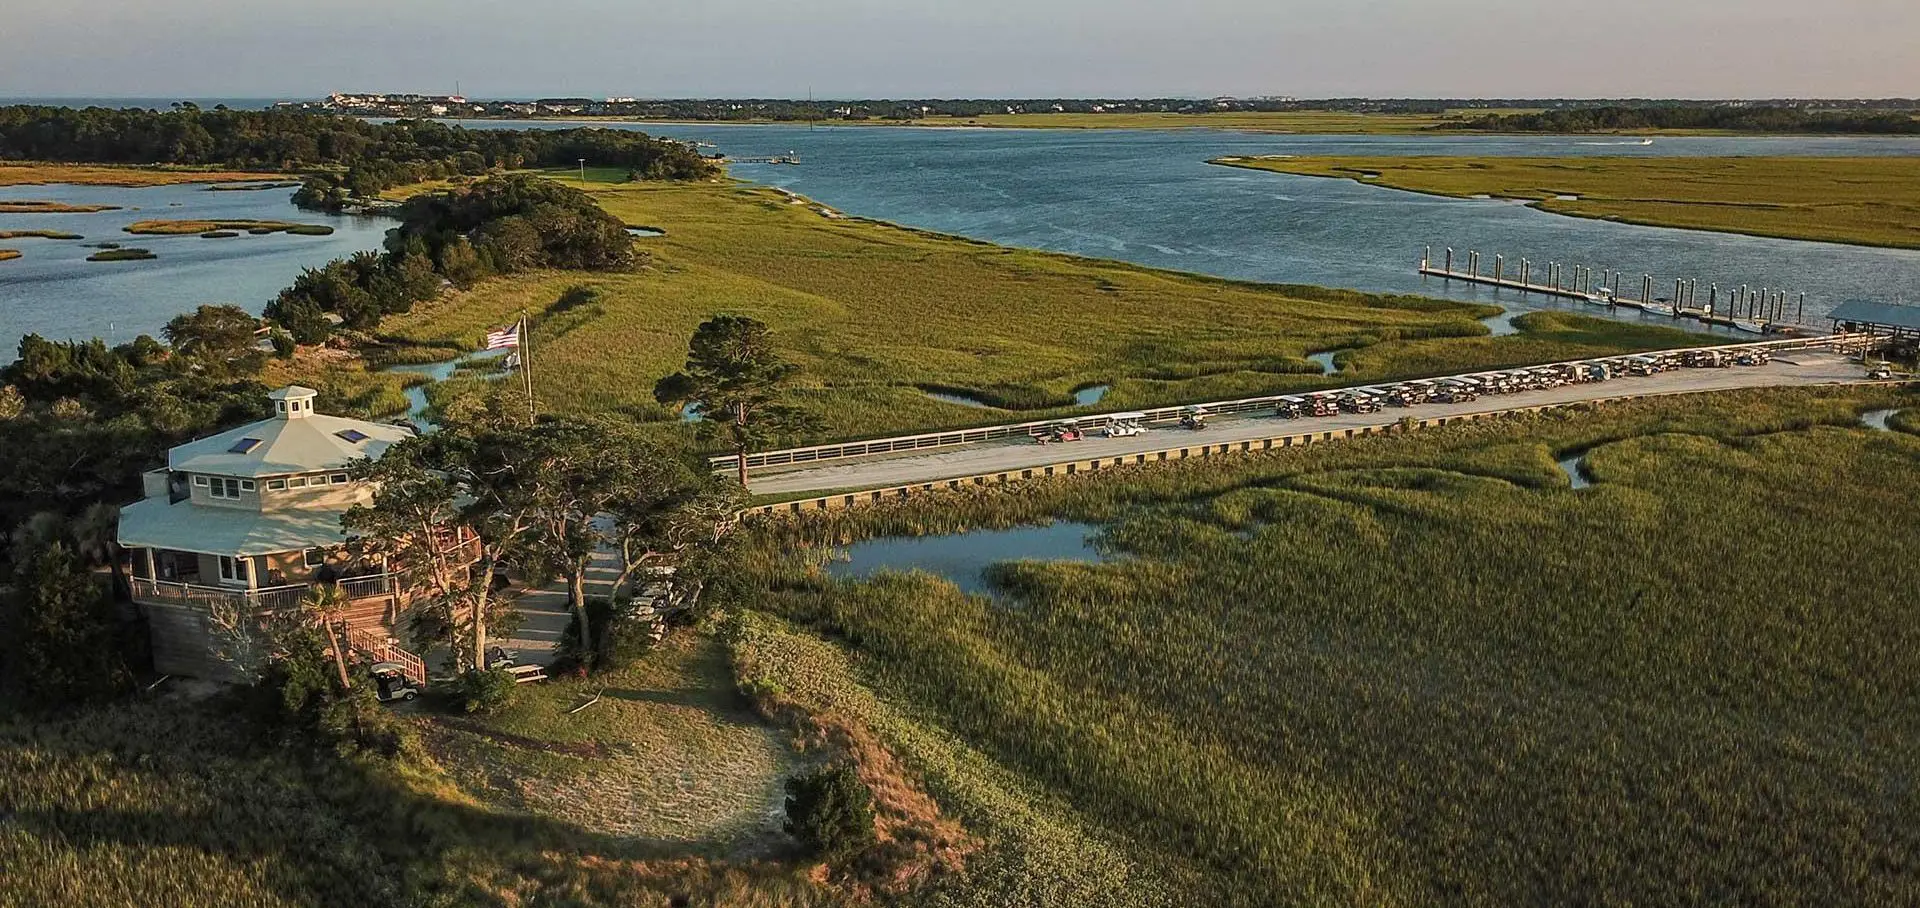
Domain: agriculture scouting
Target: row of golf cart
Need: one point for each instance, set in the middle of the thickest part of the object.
(1119, 425)
(1462, 389)
(1459, 389)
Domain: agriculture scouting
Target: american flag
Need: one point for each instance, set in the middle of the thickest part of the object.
(505, 337)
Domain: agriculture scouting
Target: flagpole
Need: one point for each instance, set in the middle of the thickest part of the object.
(526, 368)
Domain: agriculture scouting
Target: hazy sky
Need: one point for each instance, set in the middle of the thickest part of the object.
(952, 48)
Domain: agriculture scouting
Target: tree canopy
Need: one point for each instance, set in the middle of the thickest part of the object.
(739, 382)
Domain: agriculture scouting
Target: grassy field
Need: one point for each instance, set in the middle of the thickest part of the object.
(1423, 669)
(877, 314)
(1864, 201)
(638, 800)
(30, 174)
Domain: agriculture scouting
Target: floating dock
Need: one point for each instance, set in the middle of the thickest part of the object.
(1578, 284)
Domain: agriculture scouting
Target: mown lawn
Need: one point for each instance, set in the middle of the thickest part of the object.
(1864, 201)
(1422, 669)
(876, 315)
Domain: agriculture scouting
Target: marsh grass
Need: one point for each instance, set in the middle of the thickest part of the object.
(166, 227)
(30, 173)
(1419, 669)
(876, 313)
(1865, 201)
(39, 234)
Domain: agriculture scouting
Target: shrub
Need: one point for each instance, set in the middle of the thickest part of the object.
(61, 642)
(485, 692)
(831, 812)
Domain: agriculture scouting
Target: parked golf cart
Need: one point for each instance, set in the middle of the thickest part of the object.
(1067, 430)
(1194, 418)
(390, 683)
(1125, 425)
(1880, 372)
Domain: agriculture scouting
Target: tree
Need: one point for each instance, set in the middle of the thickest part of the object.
(63, 639)
(737, 378)
(218, 337)
(831, 812)
(324, 606)
(431, 489)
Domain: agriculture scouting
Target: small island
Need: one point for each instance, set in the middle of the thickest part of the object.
(220, 229)
(43, 206)
(122, 255)
(6, 254)
(39, 235)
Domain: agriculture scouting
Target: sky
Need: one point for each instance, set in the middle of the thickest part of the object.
(963, 48)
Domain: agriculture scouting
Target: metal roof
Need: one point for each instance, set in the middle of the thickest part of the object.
(1863, 312)
(153, 523)
(302, 444)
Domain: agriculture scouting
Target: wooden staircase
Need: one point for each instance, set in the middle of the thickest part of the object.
(375, 646)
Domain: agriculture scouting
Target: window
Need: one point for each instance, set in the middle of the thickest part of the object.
(339, 479)
(275, 485)
(246, 485)
(353, 436)
(233, 568)
(200, 481)
(297, 482)
(227, 488)
(316, 557)
(244, 445)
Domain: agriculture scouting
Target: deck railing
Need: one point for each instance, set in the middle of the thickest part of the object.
(273, 598)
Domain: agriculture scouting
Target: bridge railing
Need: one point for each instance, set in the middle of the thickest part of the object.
(1849, 343)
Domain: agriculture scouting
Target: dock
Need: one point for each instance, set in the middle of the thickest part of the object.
(1765, 309)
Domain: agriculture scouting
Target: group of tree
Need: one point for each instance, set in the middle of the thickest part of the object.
(539, 497)
(82, 420)
(358, 157)
(498, 225)
(1742, 118)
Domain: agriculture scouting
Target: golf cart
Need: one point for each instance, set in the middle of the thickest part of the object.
(391, 682)
(1125, 425)
(1067, 430)
(1194, 418)
(1880, 372)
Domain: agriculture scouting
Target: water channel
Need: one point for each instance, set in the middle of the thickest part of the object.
(1143, 196)
(963, 558)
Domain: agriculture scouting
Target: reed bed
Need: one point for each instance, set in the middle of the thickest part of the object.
(1422, 669)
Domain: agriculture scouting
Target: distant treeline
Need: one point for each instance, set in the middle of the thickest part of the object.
(1732, 119)
(359, 157)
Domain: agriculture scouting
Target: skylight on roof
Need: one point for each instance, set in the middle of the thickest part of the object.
(244, 446)
(353, 436)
